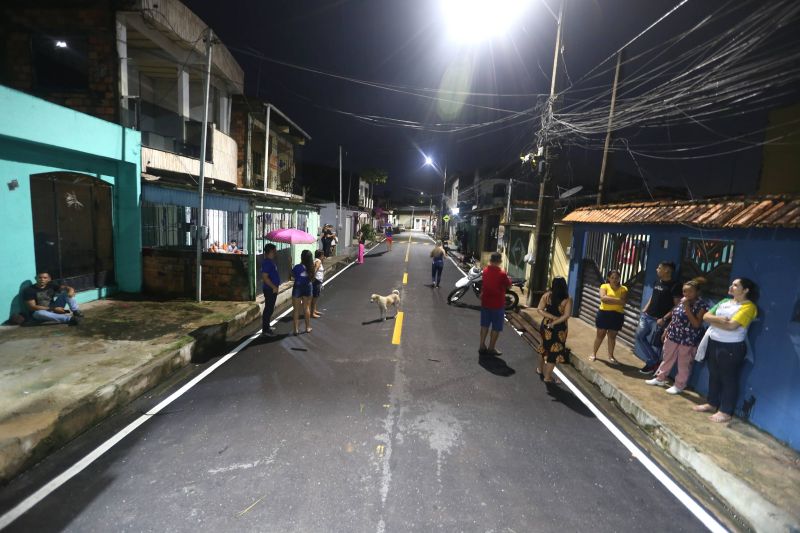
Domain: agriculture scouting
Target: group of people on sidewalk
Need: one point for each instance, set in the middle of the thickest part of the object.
(307, 276)
(677, 327)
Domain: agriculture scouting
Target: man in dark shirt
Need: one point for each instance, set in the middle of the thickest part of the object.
(48, 301)
(666, 294)
(327, 240)
(493, 303)
(271, 281)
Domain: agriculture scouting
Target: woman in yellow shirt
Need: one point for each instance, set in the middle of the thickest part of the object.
(611, 314)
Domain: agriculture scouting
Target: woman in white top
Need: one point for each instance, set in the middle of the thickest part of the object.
(316, 282)
(727, 329)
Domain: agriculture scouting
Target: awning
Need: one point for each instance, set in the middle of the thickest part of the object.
(155, 194)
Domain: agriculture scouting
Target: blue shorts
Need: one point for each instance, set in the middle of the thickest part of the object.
(493, 318)
(316, 288)
(301, 291)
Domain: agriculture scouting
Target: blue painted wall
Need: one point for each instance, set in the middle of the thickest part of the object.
(770, 257)
(36, 137)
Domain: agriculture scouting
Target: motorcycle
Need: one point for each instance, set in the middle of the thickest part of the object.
(474, 280)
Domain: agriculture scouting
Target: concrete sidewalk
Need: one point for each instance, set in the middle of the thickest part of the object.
(57, 381)
(754, 473)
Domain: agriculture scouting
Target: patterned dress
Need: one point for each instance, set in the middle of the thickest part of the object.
(554, 338)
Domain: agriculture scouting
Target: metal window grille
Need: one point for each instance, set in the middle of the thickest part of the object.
(267, 221)
(626, 252)
(170, 226)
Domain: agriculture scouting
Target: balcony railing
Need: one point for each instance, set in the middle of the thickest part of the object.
(166, 130)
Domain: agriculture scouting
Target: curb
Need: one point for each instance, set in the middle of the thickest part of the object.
(19, 453)
(761, 514)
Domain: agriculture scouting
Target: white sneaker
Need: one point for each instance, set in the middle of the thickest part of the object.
(656, 381)
(674, 390)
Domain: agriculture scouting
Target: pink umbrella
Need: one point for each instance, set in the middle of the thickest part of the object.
(291, 236)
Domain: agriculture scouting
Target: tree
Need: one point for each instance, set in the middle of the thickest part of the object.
(375, 176)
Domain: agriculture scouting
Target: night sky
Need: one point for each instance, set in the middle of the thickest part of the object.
(404, 43)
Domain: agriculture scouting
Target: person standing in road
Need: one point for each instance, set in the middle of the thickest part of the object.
(682, 337)
(437, 254)
(555, 306)
(389, 236)
(657, 312)
(301, 290)
(270, 284)
(493, 303)
(611, 314)
(316, 283)
(727, 347)
(362, 241)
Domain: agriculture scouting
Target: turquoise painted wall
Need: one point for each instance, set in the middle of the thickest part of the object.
(37, 136)
(313, 229)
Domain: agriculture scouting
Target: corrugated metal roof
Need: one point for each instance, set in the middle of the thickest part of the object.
(741, 212)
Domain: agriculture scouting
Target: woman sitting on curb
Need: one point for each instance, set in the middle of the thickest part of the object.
(682, 337)
(727, 348)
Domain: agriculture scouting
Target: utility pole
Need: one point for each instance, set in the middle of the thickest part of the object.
(545, 211)
(608, 132)
(339, 215)
(440, 222)
(508, 201)
(200, 227)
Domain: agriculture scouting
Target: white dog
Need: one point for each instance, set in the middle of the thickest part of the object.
(383, 302)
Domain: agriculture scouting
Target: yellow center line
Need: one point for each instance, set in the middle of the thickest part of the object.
(405, 278)
(398, 328)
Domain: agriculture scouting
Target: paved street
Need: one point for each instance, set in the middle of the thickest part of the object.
(342, 430)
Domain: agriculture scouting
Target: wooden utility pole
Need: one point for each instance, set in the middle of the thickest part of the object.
(608, 132)
(537, 283)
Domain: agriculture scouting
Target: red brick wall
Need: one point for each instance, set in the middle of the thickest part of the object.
(94, 20)
(171, 273)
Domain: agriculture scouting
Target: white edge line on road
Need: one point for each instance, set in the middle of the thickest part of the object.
(28, 503)
(690, 503)
(695, 508)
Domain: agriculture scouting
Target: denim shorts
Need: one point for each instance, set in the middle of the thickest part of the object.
(493, 318)
(301, 291)
(316, 288)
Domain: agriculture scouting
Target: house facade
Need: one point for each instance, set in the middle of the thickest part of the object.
(140, 64)
(70, 200)
(757, 238)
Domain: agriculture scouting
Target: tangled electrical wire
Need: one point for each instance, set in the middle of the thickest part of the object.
(739, 70)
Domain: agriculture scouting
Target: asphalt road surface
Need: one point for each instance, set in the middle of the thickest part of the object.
(342, 430)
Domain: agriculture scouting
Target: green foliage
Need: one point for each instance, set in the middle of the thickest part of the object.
(368, 231)
(375, 176)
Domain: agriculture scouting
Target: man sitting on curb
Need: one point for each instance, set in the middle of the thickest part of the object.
(48, 301)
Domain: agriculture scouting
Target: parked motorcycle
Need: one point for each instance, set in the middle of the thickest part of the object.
(474, 280)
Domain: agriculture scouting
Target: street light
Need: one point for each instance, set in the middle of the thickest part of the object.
(474, 21)
(429, 162)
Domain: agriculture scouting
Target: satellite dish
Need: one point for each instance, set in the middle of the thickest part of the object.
(570, 192)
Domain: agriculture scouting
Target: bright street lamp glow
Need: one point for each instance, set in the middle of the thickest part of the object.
(61, 44)
(428, 161)
(479, 20)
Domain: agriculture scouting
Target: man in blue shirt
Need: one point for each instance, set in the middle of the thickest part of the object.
(271, 281)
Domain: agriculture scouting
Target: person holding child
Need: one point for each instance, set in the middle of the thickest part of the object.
(682, 336)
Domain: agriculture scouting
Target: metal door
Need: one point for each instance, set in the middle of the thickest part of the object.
(614, 251)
